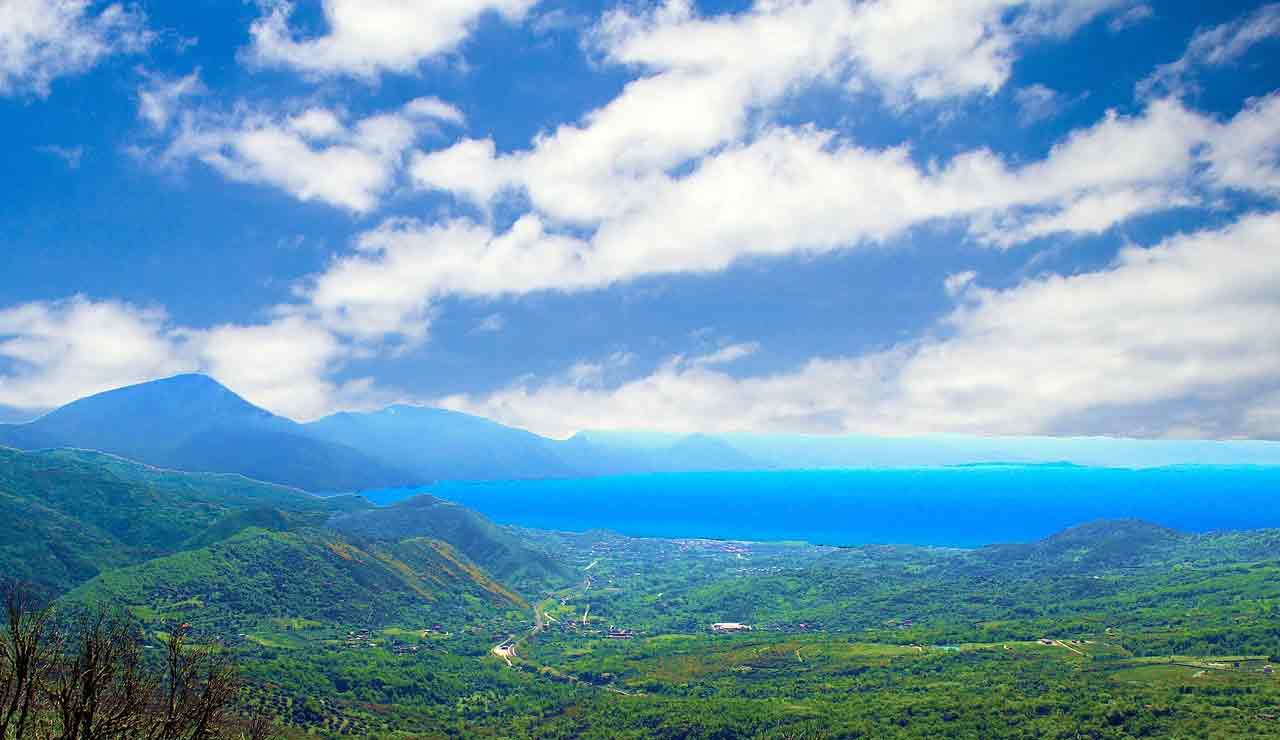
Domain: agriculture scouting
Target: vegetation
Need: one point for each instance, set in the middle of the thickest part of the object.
(500, 552)
(425, 619)
(92, 681)
(66, 515)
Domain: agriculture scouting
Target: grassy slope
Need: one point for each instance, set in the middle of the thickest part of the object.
(305, 574)
(497, 550)
(69, 514)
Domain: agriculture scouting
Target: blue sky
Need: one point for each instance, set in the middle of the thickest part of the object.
(891, 216)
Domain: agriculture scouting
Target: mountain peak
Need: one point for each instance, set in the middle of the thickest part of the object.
(190, 395)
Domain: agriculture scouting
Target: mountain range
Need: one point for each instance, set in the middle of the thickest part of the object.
(192, 423)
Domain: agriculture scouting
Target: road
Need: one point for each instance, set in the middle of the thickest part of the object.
(507, 648)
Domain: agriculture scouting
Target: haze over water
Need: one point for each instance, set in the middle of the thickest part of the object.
(949, 506)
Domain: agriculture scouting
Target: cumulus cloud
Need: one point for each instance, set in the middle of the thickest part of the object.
(53, 352)
(1245, 152)
(315, 154)
(1176, 338)
(790, 191)
(59, 351)
(367, 37)
(43, 40)
(706, 80)
(1212, 47)
(685, 172)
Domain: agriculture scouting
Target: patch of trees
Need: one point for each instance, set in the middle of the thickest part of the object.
(94, 679)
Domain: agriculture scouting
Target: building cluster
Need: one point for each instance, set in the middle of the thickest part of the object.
(359, 639)
(722, 628)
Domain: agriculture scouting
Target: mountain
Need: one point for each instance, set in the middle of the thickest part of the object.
(437, 444)
(192, 423)
(1101, 544)
(618, 453)
(223, 550)
(231, 585)
(66, 515)
(496, 550)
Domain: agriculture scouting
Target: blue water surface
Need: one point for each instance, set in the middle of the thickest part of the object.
(952, 506)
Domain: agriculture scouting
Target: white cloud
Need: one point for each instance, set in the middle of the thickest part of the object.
(1038, 103)
(282, 365)
(958, 282)
(43, 40)
(1134, 16)
(434, 108)
(491, 324)
(790, 191)
(314, 155)
(55, 352)
(1088, 214)
(387, 286)
(63, 350)
(367, 37)
(1212, 47)
(705, 81)
(159, 100)
(727, 355)
(683, 171)
(1245, 152)
(1181, 337)
(317, 124)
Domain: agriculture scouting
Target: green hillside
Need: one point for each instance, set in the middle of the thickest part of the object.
(67, 514)
(497, 550)
(231, 555)
(238, 584)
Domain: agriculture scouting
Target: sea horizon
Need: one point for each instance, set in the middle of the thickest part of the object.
(950, 506)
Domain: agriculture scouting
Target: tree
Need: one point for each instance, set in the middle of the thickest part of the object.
(93, 681)
(28, 647)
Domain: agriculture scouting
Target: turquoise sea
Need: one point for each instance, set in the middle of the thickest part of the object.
(954, 506)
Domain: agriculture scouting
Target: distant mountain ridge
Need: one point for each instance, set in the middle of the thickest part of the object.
(190, 422)
(437, 444)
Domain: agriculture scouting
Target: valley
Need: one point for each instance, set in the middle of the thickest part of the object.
(424, 618)
(640, 370)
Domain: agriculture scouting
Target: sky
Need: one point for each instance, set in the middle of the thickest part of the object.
(889, 217)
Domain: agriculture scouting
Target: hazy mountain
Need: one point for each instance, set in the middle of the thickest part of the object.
(436, 444)
(615, 453)
(190, 422)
